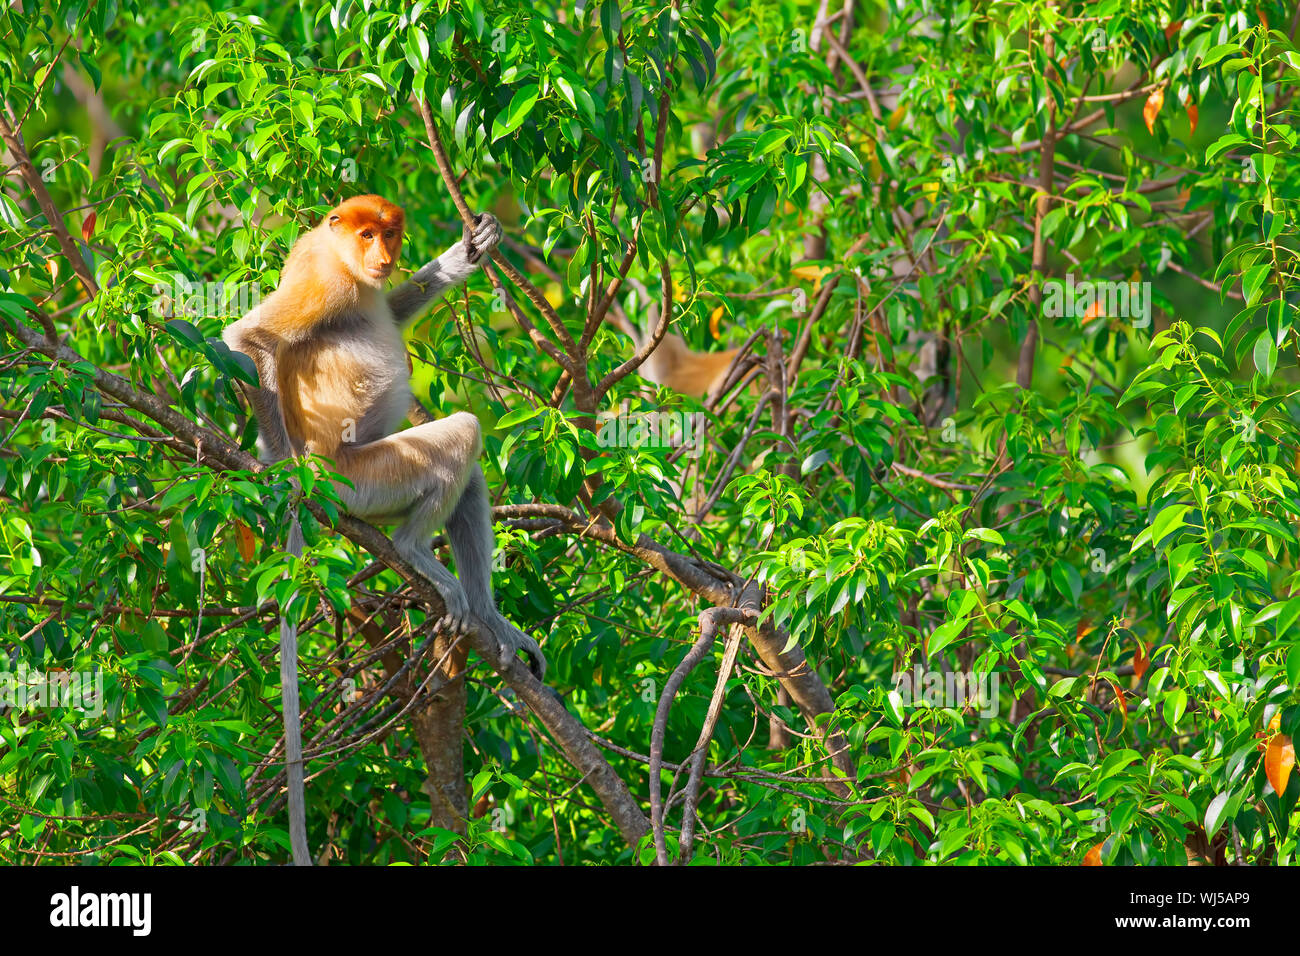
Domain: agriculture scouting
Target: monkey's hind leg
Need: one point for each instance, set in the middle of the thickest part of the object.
(415, 478)
(469, 529)
(428, 477)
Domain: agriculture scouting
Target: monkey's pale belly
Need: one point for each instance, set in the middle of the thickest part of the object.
(368, 400)
(365, 415)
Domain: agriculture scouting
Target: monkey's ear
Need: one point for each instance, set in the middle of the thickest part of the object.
(334, 219)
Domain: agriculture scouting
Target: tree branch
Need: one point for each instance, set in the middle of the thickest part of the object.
(13, 141)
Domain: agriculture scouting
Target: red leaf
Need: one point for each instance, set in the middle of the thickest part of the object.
(1119, 699)
(88, 226)
(1193, 114)
(1093, 857)
(1140, 660)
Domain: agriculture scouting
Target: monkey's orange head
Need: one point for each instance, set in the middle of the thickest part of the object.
(367, 233)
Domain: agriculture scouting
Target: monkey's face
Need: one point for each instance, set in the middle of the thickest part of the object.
(377, 247)
(367, 232)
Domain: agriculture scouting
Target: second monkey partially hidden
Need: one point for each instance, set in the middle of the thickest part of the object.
(334, 382)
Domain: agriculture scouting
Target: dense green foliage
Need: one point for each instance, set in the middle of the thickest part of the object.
(1112, 539)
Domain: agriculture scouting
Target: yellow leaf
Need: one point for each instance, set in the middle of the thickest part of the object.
(1152, 108)
(1093, 857)
(1094, 310)
(1279, 760)
(1193, 114)
(813, 274)
(873, 162)
(713, 322)
(896, 117)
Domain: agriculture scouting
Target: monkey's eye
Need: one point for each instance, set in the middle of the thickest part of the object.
(390, 233)
(367, 235)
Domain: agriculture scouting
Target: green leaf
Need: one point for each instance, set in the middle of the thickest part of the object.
(1175, 706)
(771, 140)
(1067, 580)
(943, 635)
(894, 708)
(1116, 762)
(1265, 354)
(1216, 813)
(1169, 520)
(521, 104)
(814, 461)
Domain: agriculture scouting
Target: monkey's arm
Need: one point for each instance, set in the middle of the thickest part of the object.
(249, 337)
(450, 269)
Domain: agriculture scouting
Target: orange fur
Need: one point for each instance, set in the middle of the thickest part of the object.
(692, 373)
(352, 250)
(338, 266)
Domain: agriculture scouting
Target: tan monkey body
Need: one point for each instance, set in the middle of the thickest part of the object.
(677, 366)
(334, 382)
(673, 363)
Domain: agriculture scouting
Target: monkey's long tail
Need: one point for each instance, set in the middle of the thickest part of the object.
(293, 719)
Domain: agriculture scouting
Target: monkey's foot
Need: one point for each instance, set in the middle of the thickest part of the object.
(456, 620)
(511, 640)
